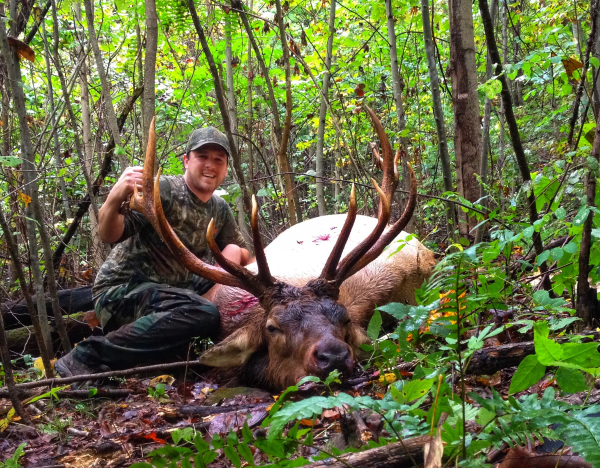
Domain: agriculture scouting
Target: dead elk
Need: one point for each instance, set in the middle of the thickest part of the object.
(302, 312)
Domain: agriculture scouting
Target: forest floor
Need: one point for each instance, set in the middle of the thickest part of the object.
(74, 432)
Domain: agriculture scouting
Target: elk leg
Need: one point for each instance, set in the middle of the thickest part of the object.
(164, 319)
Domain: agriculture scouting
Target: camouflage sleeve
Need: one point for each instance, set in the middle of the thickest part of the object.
(230, 232)
(135, 221)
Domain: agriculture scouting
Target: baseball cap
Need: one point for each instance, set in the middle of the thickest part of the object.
(205, 136)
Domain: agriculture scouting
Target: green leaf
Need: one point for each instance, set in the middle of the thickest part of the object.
(571, 247)
(557, 253)
(397, 395)
(232, 455)
(570, 380)
(585, 355)
(548, 352)
(528, 232)
(416, 389)
(529, 372)
(374, 325)
(10, 161)
(595, 62)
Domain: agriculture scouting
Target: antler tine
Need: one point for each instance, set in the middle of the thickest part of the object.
(390, 163)
(347, 266)
(398, 226)
(264, 273)
(330, 267)
(152, 209)
(355, 255)
(241, 273)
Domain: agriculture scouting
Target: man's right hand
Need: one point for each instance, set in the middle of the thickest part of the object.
(111, 222)
(130, 177)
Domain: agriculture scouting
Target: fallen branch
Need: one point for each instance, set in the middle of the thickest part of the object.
(71, 301)
(491, 360)
(202, 411)
(396, 455)
(24, 340)
(102, 375)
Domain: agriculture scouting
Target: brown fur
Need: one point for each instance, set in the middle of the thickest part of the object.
(308, 322)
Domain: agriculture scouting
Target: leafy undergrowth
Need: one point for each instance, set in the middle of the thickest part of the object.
(416, 380)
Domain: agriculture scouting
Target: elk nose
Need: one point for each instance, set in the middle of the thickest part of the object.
(332, 355)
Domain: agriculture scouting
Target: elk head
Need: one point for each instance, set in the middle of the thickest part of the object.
(304, 330)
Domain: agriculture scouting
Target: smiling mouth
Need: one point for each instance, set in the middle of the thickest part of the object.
(209, 176)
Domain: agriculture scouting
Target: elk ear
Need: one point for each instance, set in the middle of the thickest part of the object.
(234, 350)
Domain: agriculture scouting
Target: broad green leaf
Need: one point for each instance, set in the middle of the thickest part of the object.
(585, 355)
(570, 380)
(529, 372)
(548, 352)
(416, 389)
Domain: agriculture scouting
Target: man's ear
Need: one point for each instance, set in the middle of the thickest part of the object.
(185, 161)
(234, 350)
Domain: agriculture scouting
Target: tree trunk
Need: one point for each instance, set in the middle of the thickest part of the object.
(99, 248)
(587, 297)
(30, 179)
(485, 144)
(232, 108)
(30, 308)
(323, 114)
(514, 134)
(596, 70)
(149, 96)
(438, 115)
(467, 125)
(61, 179)
(283, 144)
(67, 99)
(111, 116)
(583, 71)
(518, 83)
(9, 378)
(397, 93)
(502, 135)
(237, 165)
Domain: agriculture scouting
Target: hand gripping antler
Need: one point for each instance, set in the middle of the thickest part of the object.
(369, 249)
(149, 204)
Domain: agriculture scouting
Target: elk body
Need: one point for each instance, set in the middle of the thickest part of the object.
(301, 308)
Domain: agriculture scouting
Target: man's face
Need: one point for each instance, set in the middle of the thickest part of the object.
(205, 170)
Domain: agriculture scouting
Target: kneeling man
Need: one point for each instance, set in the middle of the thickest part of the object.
(149, 306)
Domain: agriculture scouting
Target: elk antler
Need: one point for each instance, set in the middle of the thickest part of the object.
(370, 248)
(149, 204)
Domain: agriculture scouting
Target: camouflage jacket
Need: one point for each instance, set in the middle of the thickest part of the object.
(141, 255)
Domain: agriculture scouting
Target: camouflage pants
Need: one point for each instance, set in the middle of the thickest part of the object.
(147, 323)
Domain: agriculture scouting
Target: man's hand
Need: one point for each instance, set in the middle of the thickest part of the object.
(111, 222)
(131, 177)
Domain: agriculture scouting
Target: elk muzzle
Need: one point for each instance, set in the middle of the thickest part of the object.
(328, 355)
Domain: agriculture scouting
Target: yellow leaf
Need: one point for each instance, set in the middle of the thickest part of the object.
(386, 379)
(38, 364)
(25, 198)
(571, 64)
(6, 421)
(164, 379)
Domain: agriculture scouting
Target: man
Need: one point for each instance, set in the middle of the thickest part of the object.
(149, 306)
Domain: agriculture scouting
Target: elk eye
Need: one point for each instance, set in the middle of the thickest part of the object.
(272, 329)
